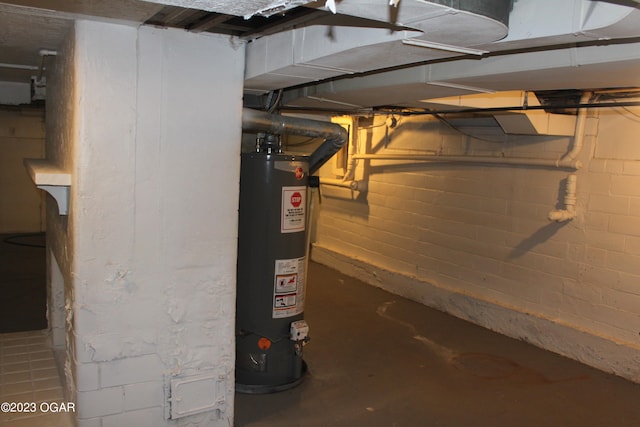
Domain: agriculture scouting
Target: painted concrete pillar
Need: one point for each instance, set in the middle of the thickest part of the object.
(148, 121)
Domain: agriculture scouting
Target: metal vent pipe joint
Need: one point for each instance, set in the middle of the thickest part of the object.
(334, 135)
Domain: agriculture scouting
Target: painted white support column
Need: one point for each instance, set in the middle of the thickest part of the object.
(148, 122)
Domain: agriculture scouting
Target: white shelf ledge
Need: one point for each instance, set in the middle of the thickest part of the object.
(52, 179)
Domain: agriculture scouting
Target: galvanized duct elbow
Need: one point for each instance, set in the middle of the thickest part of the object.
(335, 136)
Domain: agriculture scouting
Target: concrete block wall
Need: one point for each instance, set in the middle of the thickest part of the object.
(61, 124)
(475, 241)
(22, 133)
(147, 121)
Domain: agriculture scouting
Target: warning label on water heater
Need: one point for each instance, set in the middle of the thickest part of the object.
(288, 288)
(293, 209)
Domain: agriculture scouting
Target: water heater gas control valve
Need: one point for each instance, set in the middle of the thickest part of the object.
(299, 331)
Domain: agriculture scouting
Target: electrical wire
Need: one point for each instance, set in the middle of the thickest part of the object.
(628, 110)
(635, 118)
(380, 125)
(484, 110)
(272, 107)
(460, 131)
(616, 109)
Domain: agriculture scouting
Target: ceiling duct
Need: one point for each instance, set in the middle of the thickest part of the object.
(425, 15)
(529, 120)
(235, 7)
(582, 44)
(318, 52)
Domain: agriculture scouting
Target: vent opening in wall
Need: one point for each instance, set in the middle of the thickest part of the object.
(196, 394)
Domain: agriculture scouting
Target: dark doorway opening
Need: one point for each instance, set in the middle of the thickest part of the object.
(23, 291)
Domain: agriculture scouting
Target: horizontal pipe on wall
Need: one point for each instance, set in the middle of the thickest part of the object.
(521, 161)
(334, 182)
(19, 66)
(353, 185)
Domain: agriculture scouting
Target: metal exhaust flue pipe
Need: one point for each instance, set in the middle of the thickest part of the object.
(334, 135)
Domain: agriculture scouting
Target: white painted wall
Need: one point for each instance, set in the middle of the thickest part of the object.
(21, 137)
(475, 241)
(61, 129)
(148, 123)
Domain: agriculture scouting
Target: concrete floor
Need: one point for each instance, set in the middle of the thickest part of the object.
(28, 373)
(376, 359)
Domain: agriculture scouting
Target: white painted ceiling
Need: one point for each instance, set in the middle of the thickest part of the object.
(548, 45)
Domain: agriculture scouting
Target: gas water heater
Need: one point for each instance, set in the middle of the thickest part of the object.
(272, 265)
(273, 250)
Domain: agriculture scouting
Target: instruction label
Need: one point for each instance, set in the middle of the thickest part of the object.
(288, 288)
(293, 209)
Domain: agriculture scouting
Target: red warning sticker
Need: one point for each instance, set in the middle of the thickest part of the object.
(286, 282)
(296, 199)
(288, 289)
(293, 209)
